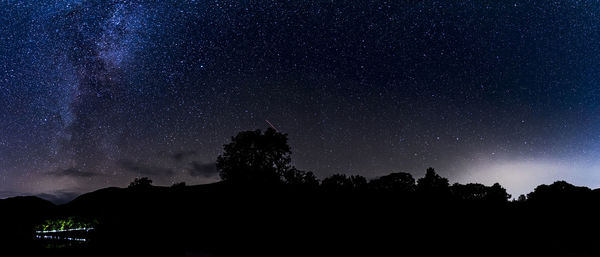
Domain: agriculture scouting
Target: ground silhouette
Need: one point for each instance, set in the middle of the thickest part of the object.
(265, 206)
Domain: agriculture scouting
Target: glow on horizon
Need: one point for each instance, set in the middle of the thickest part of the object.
(522, 176)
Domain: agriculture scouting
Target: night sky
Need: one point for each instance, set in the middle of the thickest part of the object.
(96, 93)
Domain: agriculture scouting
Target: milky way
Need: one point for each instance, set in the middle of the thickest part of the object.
(96, 93)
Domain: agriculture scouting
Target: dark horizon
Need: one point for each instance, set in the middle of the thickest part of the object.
(66, 197)
(265, 205)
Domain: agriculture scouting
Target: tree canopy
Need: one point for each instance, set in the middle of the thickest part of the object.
(254, 156)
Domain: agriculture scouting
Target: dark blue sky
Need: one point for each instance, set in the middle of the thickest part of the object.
(95, 93)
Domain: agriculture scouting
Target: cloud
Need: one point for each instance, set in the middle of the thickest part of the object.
(206, 170)
(180, 156)
(73, 172)
(7, 194)
(59, 197)
(145, 169)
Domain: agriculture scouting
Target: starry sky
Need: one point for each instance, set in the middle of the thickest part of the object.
(96, 93)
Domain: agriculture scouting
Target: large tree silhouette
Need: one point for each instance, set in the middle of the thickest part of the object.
(256, 157)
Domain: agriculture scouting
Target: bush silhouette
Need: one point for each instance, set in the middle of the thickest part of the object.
(395, 183)
(140, 183)
(298, 178)
(469, 192)
(558, 192)
(479, 192)
(341, 182)
(497, 193)
(433, 185)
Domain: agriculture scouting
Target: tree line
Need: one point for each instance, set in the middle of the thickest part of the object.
(254, 158)
(263, 159)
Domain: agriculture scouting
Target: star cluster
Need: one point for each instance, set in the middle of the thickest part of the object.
(95, 93)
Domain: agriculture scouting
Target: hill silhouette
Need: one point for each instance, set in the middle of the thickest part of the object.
(277, 210)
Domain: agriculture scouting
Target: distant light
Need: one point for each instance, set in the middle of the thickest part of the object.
(63, 230)
(61, 238)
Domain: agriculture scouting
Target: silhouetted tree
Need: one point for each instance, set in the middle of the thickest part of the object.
(255, 157)
(337, 182)
(140, 182)
(469, 192)
(480, 192)
(395, 182)
(341, 182)
(358, 182)
(496, 193)
(559, 191)
(298, 178)
(433, 185)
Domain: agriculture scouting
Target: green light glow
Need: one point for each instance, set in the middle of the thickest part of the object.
(67, 223)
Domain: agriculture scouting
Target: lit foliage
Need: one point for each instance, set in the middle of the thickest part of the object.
(67, 223)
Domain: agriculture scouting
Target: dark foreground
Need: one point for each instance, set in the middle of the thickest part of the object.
(228, 220)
